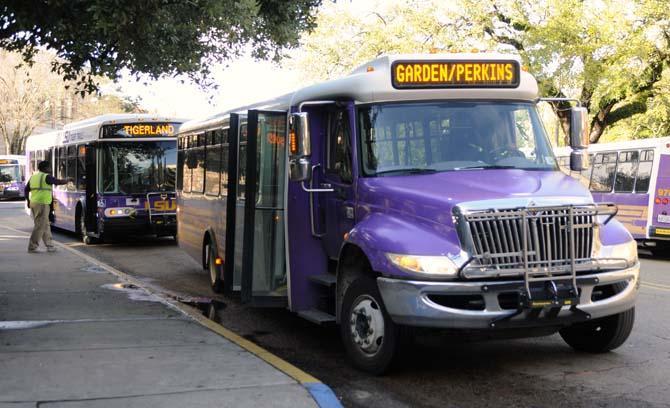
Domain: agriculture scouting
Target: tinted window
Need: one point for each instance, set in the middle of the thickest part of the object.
(644, 171)
(626, 172)
(602, 177)
(339, 151)
(180, 163)
(81, 168)
(213, 166)
(242, 159)
(452, 136)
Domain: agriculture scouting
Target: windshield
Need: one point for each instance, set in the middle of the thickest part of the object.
(9, 173)
(414, 138)
(138, 167)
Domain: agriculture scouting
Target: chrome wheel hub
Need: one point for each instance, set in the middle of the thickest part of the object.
(367, 324)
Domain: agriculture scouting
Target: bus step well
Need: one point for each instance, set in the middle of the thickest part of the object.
(328, 280)
(317, 316)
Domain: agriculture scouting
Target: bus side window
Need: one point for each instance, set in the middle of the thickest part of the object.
(62, 166)
(223, 135)
(644, 171)
(242, 163)
(181, 151)
(71, 167)
(603, 172)
(81, 168)
(213, 163)
(626, 172)
(339, 149)
(188, 162)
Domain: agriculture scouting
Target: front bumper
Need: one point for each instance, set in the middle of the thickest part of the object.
(409, 302)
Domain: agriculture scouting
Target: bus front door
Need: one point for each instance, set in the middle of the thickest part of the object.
(91, 199)
(264, 279)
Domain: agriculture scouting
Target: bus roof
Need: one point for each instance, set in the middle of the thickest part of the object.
(89, 129)
(372, 82)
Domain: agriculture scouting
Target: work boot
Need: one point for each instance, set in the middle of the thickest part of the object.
(51, 249)
(32, 250)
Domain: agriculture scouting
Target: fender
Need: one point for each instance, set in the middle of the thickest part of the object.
(614, 233)
(381, 233)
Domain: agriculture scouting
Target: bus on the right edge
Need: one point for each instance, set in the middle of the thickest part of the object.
(635, 175)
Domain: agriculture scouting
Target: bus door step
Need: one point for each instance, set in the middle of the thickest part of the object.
(317, 316)
(328, 280)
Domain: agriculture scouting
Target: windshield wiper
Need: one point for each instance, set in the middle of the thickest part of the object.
(409, 170)
(475, 167)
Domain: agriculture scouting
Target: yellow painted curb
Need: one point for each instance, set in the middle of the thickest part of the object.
(195, 314)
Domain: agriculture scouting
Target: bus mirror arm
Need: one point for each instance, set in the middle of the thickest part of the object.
(311, 188)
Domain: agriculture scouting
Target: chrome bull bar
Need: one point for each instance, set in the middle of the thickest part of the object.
(547, 245)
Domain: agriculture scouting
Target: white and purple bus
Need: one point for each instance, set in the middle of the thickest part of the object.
(418, 191)
(123, 168)
(12, 176)
(635, 175)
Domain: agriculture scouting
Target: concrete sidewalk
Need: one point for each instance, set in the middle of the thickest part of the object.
(71, 336)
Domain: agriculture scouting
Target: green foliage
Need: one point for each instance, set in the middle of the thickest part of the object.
(154, 37)
(609, 54)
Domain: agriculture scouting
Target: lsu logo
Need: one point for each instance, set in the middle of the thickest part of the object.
(163, 205)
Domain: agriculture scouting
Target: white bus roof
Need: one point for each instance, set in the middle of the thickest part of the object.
(89, 129)
(18, 157)
(371, 83)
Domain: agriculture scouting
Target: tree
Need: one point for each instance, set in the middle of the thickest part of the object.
(610, 55)
(100, 38)
(31, 96)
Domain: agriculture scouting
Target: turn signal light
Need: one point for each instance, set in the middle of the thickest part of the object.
(657, 200)
(218, 261)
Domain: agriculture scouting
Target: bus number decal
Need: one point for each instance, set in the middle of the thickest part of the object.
(664, 192)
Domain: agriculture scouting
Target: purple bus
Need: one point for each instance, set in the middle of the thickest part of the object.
(123, 168)
(635, 175)
(419, 191)
(12, 176)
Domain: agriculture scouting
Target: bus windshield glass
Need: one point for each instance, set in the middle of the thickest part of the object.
(138, 167)
(415, 138)
(9, 173)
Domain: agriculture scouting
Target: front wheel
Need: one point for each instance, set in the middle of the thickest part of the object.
(600, 335)
(370, 337)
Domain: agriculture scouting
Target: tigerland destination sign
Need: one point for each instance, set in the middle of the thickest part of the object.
(132, 130)
(455, 74)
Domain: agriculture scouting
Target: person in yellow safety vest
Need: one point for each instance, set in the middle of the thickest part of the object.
(38, 192)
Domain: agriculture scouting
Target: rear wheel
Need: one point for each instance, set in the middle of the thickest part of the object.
(215, 276)
(370, 337)
(600, 335)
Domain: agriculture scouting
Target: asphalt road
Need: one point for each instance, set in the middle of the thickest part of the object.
(437, 370)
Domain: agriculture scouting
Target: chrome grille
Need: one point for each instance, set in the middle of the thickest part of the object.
(538, 240)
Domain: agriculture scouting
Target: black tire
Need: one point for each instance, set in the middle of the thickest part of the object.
(374, 360)
(600, 335)
(215, 271)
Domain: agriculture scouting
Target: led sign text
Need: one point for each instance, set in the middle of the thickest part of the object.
(455, 74)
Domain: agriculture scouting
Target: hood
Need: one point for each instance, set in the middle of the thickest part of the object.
(433, 196)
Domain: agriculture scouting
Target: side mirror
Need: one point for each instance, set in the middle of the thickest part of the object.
(300, 166)
(579, 129)
(579, 160)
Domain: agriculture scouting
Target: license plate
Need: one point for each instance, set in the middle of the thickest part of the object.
(664, 218)
(1, 188)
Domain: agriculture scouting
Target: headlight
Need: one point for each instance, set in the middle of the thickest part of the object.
(429, 265)
(613, 254)
(119, 212)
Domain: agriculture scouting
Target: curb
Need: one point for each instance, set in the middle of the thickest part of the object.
(322, 394)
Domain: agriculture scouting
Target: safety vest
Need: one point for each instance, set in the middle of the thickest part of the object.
(40, 191)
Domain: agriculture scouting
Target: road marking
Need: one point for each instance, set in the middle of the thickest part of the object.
(656, 286)
(321, 393)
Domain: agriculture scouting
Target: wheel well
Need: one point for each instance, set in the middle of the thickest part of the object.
(205, 241)
(353, 264)
(78, 213)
